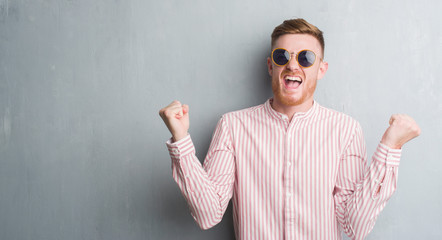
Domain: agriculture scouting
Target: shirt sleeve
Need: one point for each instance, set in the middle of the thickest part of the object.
(208, 188)
(362, 192)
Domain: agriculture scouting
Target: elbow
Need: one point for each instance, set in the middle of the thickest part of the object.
(205, 227)
(359, 236)
(207, 216)
(204, 223)
(362, 232)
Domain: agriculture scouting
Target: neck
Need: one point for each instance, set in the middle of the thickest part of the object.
(290, 111)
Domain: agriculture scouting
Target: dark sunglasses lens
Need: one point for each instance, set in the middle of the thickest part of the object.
(306, 58)
(281, 56)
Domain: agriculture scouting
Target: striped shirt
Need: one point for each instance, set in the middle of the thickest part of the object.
(307, 178)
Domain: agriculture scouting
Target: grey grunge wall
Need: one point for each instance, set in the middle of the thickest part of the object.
(82, 148)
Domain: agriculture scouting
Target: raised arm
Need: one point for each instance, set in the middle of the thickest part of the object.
(207, 189)
(361, 193)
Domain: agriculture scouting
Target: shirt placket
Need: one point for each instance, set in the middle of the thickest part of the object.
(289, 208)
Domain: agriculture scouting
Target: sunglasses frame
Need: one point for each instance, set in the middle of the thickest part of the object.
(296, 57)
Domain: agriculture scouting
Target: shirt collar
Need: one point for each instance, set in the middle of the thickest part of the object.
(300, 115)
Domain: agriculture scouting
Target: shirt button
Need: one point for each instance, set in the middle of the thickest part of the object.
(175, 151)
(289, 194)
(289, 164)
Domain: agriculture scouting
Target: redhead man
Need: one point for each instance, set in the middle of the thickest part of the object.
(293, 168)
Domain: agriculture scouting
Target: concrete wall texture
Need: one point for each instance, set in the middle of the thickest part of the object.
(82, 148)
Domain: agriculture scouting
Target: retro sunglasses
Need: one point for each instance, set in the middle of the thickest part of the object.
(305, 58)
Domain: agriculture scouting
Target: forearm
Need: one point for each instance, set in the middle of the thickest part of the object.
(358, 209)
(207, 200)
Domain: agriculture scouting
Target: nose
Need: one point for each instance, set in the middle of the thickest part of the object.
(293, 65)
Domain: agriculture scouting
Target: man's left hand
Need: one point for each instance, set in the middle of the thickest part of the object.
(402, 129)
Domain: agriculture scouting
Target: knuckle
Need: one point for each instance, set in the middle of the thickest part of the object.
(162, 111)
(417, 130)
(167, 112)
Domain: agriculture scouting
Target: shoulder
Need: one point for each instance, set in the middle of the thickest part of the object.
(346, 127)
(251, 112)
(331, 113)
(341, 120)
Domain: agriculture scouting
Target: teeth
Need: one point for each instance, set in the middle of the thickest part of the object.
(293, 78)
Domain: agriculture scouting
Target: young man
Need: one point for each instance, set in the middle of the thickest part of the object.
(295, 169)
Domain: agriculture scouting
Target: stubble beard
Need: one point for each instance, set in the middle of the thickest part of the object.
(288, 100)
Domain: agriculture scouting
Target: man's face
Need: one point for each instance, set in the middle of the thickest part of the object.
(287, 92)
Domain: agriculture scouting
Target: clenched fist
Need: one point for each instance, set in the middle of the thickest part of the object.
(176, 118)
(402, 129)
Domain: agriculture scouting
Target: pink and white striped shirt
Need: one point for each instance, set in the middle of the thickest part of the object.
(301, 179)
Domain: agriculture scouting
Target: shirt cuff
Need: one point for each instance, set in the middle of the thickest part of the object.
(387, 155)
(181, 148)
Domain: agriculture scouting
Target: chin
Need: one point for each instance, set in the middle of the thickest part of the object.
(287, 101)
(290, 102)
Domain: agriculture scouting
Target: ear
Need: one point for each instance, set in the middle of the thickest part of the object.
(269, 66)
(323, 66)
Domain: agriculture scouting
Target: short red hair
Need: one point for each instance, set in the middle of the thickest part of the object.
(298, 26)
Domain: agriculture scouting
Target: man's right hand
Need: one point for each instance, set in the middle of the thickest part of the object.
(176, 118)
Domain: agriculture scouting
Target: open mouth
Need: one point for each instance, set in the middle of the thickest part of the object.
(292, 82)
